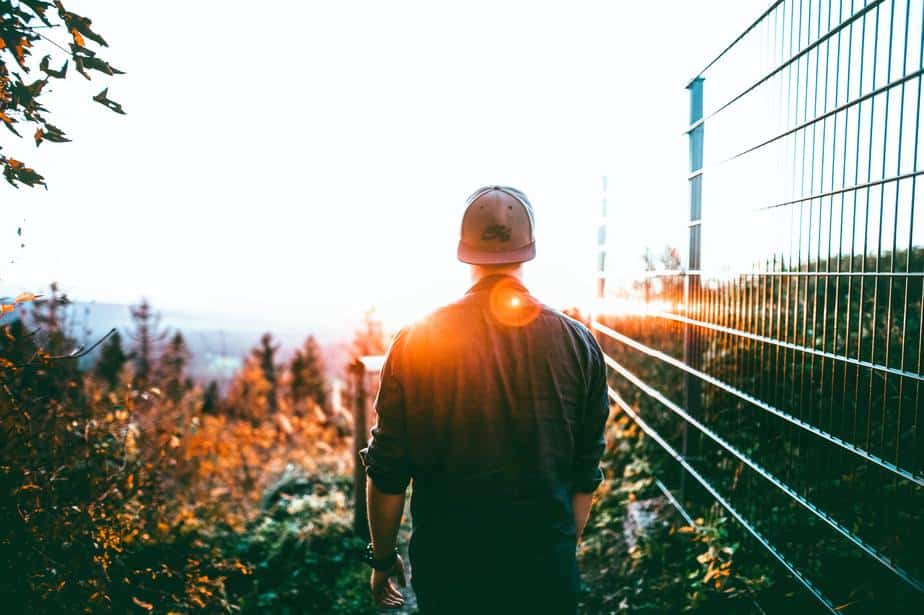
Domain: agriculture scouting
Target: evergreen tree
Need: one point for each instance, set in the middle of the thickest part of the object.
(49, 316)
(211, 398)
(173, 364)
(49, 338)
(112, 359)
(265, 355)
(147, 337)
(249, 391)
(307, 374)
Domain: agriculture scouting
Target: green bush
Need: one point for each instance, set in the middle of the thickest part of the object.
(303, 553)
(672, 568)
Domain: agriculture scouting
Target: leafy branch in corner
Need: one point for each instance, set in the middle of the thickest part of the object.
(24, 24)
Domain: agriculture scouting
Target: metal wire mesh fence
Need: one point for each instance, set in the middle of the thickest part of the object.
(781, 369)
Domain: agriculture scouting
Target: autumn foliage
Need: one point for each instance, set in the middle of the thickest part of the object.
(119, 498)
(64, 39)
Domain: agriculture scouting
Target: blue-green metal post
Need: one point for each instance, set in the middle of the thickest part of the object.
(692, 351)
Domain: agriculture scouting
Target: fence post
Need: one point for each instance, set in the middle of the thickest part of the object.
(358, 374)
(601, 244)
(692, 350)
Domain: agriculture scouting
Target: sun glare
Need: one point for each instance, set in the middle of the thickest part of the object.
(637, 307)
(511, 306)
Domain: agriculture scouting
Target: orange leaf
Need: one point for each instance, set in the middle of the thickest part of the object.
(78, 40)
(25, 297)
(39, 136)
(7, 307)
(147, 606)
(21, 51)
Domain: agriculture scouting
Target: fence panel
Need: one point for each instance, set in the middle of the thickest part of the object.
(781, 367)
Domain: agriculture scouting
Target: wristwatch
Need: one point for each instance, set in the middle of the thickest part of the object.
(382, 564)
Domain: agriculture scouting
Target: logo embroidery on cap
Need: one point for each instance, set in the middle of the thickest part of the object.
(496, 231)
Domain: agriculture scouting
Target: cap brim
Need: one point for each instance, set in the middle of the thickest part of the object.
(480, 257)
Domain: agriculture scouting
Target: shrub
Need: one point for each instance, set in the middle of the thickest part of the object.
(672, 567)
(304, 554)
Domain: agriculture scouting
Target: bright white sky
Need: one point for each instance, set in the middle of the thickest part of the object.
(309, 162)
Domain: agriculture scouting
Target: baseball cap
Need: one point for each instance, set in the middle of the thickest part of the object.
(497, 227)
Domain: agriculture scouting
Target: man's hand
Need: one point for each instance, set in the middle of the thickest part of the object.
(581, 502)
(384, 591)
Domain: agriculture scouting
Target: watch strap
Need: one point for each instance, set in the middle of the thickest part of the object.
(382, 564)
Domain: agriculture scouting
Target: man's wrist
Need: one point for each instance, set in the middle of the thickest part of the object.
(379, 560)
(382, 550)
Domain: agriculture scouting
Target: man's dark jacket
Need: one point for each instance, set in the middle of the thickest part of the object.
(495, 406)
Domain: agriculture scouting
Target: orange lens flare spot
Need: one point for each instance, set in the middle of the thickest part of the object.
(511, 306)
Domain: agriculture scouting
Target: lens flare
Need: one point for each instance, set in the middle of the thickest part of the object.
(512, 306)
(637, 307)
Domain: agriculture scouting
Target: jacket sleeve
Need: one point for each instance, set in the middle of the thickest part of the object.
(590, 435)
(386, 456)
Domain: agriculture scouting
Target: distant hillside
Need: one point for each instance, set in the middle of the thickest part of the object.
(218, 343)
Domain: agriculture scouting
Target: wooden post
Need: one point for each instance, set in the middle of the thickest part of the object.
(360, 431)
(601, 244)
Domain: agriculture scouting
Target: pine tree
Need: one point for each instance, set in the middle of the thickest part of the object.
(49, 316)
(112, 359)
(248, 393)
(307, 374)
(172, 368)
(265, 355)
(211, 398)
(147, 337)
(50, 337)
(297, 378)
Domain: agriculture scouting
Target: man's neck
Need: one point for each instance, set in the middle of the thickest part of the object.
(479, 272)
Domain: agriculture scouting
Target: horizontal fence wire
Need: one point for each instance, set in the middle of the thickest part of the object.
(781, 364)
(858, 15)
(660, 356)
(801, 349)
(674, 501)
(747, 31)
(660, 273)
(844, 107)
(654, 435)
(776, 482)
